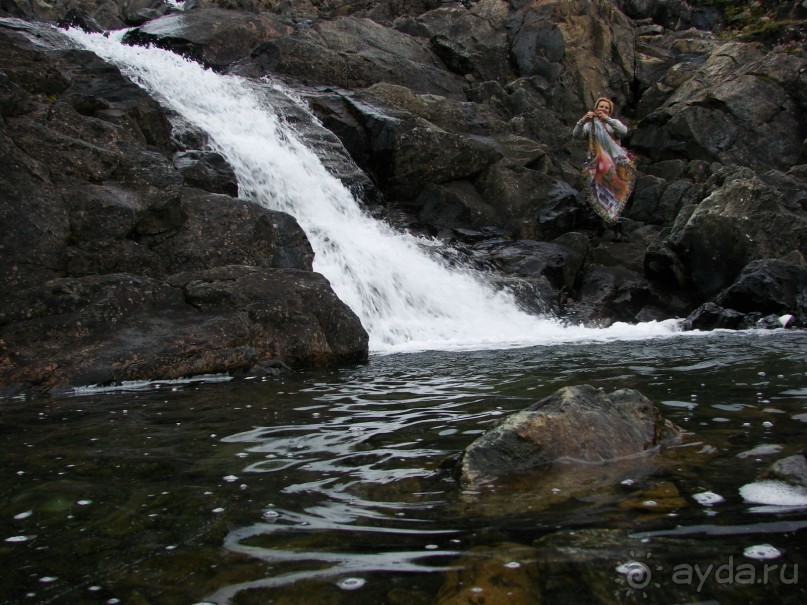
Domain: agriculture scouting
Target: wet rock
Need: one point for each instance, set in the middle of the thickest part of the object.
(769, 286)
(729, 112)
(213, 36)
(532, 204)
(575, 425)
(660, 498)
(406, 153)
(503, 573)
(469, 41)
(106, 329)
(454, 205)
(674, 14)
(217, 230)
(355, 53)
(559, 264)
(659, 201)
(137, 12)
(605, 294)
(792, 470)
(743, 219)
(711, 316)
(422, 95)
(553, 40)
(207, 170)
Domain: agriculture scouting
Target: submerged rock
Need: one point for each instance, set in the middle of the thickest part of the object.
(503, 573)
(792, 470)
(575, 425)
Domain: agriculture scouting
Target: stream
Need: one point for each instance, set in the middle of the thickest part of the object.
(330, 487)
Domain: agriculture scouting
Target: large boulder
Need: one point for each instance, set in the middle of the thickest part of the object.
(452, 205)
(770, 286)
(559, 264)
(746, 217)
(401, 150)
(212, 36)
(106, 329)
(613, 293)
(575, 425)
(353, 53)
(582, 49)
(742, 106)
(470, 41)
(116, 269)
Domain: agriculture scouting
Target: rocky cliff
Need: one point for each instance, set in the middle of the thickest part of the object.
(459, 115)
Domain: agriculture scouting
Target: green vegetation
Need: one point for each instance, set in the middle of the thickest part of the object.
(770, 22)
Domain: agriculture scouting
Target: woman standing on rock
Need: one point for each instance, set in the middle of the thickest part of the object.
(609, 170)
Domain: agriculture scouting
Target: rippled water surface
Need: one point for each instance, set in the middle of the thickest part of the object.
(337, 487)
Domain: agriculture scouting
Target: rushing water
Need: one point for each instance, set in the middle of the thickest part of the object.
(406, 295)
(336, 487)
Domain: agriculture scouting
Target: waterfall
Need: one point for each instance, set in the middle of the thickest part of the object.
(406, 296)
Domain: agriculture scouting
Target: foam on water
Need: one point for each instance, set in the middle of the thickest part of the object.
(708, 498)
(774, 493)
(765, 449)
(407, 297)
(762, 552)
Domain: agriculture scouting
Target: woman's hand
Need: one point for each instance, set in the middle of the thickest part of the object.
(602, 116)
(589, 116)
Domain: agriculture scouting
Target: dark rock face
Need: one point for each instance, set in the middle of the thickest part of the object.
(214, 37)
(451, 118)
(575, 425)
(792, 469)
(355, 53)
(119, 265)
(115, 327)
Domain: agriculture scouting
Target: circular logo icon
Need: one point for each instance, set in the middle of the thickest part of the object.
(637, 574)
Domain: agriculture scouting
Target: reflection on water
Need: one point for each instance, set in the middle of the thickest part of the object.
(336, 487)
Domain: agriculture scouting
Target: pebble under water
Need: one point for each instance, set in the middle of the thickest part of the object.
(334, 487)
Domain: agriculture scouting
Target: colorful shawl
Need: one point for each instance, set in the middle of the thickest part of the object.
(610, 173)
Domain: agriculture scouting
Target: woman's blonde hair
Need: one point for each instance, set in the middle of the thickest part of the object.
(607, 100)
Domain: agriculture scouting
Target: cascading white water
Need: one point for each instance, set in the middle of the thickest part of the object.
(407, 299)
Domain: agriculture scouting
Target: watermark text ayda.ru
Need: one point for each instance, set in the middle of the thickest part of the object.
(639, 576)
(735, 573)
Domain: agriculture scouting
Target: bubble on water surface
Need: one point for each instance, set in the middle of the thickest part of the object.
(351, 583)
(708, 498)
(762, 552)
(761, 450)
(17, 539)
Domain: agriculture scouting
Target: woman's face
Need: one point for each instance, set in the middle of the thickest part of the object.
(604, 106)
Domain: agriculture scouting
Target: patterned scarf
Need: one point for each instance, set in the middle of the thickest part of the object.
(610, 173)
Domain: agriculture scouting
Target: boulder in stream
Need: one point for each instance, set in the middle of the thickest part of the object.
(575, 425)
